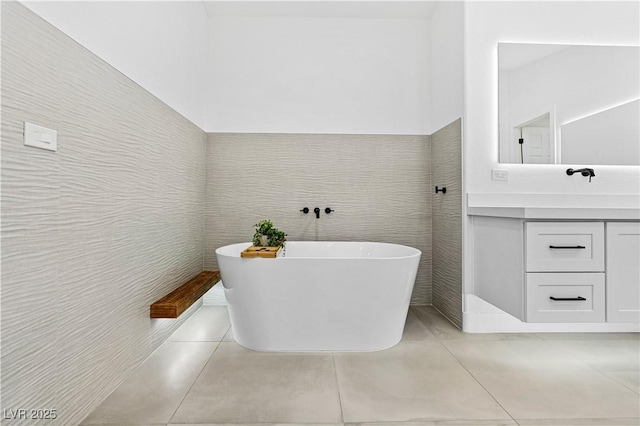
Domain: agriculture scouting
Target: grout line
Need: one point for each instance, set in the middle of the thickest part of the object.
(476, 379)
(553, 345)
(225, 335)
(194, 382)
(618, 381)
(335, 370)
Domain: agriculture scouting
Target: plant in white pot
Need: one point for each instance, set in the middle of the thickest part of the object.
(267, 235)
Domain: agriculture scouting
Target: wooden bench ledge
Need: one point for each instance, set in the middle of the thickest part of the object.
(179, 300)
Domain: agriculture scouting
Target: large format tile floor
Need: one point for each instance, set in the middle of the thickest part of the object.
(437, 375)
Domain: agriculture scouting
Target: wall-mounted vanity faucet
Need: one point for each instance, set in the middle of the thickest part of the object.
(327, 210)
(584, 172)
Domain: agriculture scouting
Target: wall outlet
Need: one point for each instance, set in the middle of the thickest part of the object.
(502, 175)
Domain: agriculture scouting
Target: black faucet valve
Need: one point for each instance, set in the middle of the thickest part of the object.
(584, 172)
(328, 210)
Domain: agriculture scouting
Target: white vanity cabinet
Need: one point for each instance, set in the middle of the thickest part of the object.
(623, 272)
(565, 271)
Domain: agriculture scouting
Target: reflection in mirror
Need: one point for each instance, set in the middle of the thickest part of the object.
(569, 104)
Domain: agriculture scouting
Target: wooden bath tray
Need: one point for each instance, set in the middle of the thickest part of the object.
(253, 251)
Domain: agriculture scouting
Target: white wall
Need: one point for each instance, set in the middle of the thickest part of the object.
(318, 75)
(161, 45)
(486, 24)
(276, 73)
(447, 59)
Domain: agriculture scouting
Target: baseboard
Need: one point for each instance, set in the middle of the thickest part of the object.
(482, 317)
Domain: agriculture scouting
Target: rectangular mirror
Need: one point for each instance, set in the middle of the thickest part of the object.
(563, 104)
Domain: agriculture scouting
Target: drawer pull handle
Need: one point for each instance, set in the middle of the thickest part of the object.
(567, 298)
(567, 247)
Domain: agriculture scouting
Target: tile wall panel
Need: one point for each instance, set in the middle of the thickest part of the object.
(93, 233)
(378, 185)
(446, 149)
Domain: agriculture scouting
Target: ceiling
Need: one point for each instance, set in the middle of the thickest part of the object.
(395, 9)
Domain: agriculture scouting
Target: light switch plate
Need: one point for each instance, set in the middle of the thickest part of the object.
(40, 137)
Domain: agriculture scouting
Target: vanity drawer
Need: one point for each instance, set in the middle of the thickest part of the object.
(565, 297)
(564, 247)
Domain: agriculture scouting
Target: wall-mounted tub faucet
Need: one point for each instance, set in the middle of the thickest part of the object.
(584, 172)
(327, 210)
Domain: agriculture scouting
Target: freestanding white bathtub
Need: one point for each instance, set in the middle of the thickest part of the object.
(319, 296)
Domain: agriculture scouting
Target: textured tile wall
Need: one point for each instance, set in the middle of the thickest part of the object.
(446, 151)
(93, 233)
(378, 185)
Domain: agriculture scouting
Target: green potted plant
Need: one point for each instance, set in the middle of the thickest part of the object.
(267, 235)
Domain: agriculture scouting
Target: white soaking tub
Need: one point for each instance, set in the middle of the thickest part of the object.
(319, 296)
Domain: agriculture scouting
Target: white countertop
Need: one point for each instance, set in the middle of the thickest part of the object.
(555, 206)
